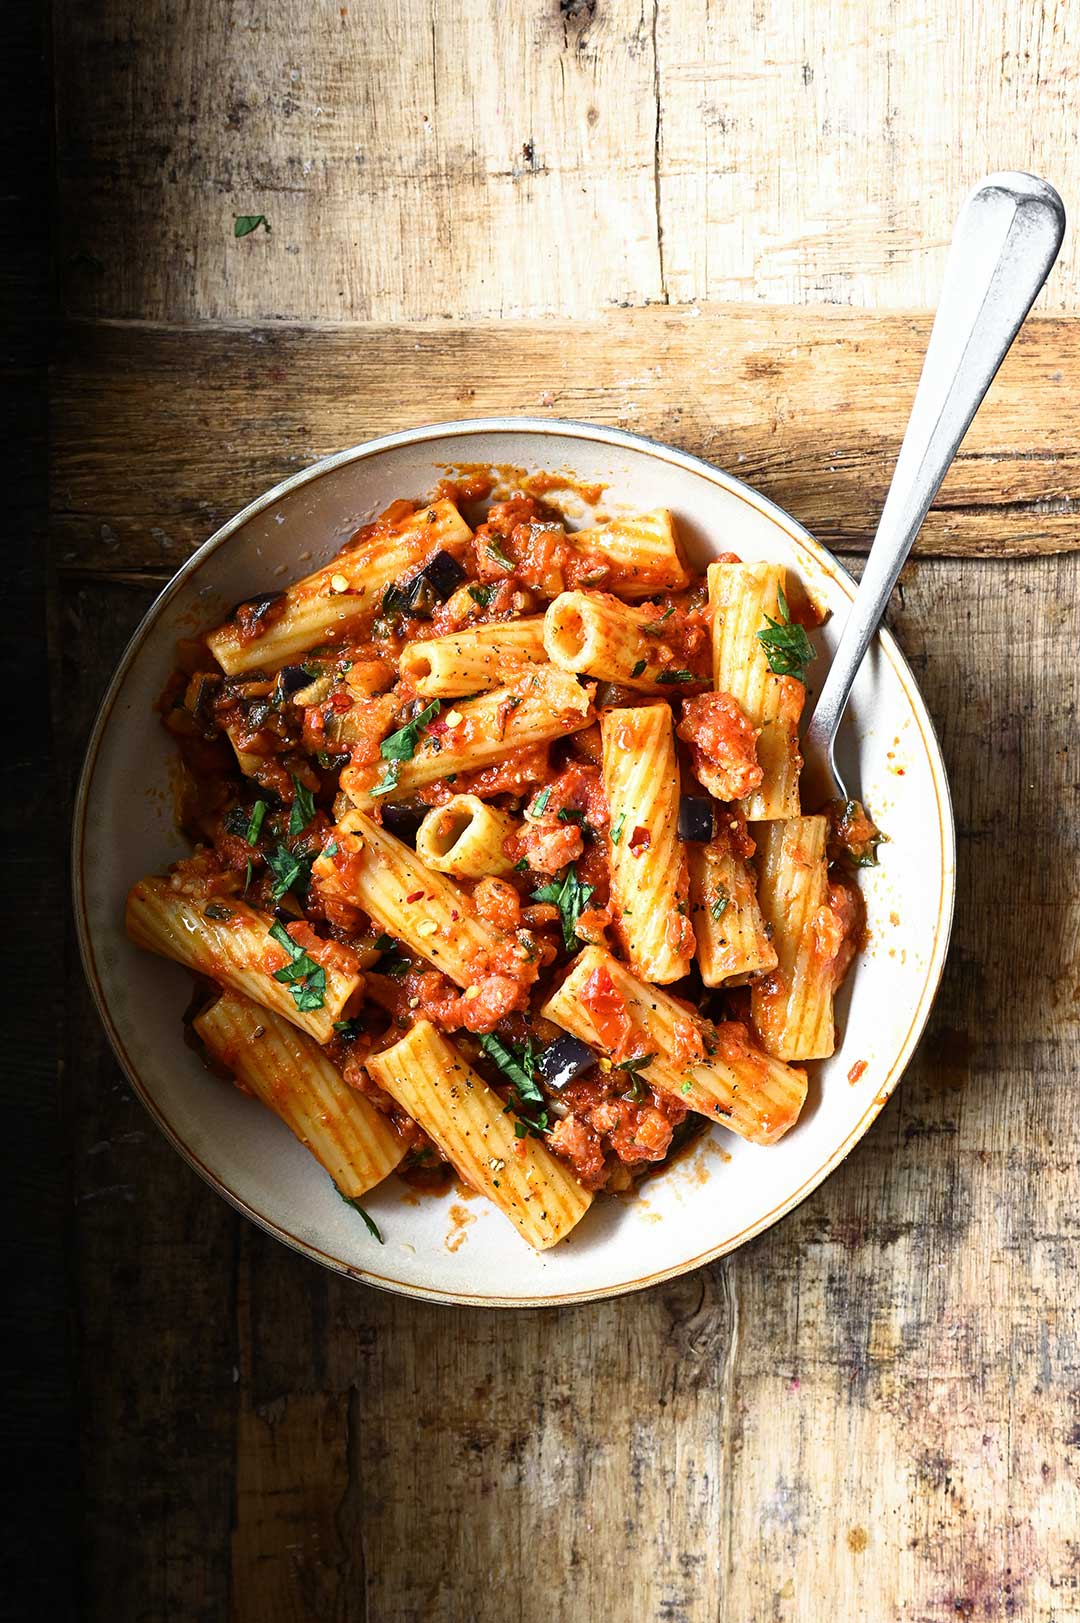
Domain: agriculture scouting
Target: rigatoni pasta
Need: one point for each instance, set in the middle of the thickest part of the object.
(469, 1122)
(649, 880)
(472, 872)
(744, 599)
(472, 659)
(294, 1078)
(793, 1007)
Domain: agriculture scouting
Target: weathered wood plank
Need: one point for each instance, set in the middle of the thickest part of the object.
(818, 154)
(562, 157)
(870, 1412)
(161, 434)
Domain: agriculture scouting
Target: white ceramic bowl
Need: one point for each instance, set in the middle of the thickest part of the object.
(450, 1249)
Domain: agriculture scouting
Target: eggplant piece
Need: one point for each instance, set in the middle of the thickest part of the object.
(292, 678)
(403, 821)
(565, 1060)
(439, 578)
(696, 819)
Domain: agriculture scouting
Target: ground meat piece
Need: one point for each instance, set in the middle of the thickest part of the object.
(547, 846)
(498, 903)
(575, 1141)
(203, 875)
(848, 909)
(723, 745)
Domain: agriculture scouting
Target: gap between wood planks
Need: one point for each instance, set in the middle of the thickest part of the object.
(160, 433)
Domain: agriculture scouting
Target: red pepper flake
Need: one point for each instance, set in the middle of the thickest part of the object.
(417, 896)
(340, 701)
(857, 1071)
(454, 915)
(640, 840)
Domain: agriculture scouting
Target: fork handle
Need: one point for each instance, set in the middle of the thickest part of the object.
(1007, 238)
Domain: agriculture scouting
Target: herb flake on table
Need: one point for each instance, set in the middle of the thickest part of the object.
(245, 224)
(787, 647)
(369, 1222)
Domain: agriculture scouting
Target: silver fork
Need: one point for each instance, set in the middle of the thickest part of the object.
(1006, 240)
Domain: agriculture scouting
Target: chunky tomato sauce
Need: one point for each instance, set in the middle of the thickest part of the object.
(270, 754)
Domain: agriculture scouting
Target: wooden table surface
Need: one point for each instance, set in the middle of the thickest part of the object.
(723, 226)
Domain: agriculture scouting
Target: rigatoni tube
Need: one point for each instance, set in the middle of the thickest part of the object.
(380, 874)
(231, 943)
(646, 859)
(465, 837)
(472, 1127)
(713, 1069)
(295, 1079)
(538, 704)
(472, 660)
(793, 1007)
(732, 939)
(743, 597)
(641, 553)
(594, 634)
(326, 604)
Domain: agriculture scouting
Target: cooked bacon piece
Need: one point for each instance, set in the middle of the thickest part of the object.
(723, 745)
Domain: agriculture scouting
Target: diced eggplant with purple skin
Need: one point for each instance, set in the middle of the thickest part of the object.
(292, 678)
(564, 1060)
(403, 821)
(696, 819)
(440, 577)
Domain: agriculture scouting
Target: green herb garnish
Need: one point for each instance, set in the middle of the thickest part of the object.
(392, 962)
(538, 805)
(514, 1065)
(483, 595)
(652, 629)
(370, 1223)
(638, 668)
(247, 876)
(617, 828)
(388, 782)
(677, 676)
(401, 746)
(638, 1086)
(258, 812)
(571, 897)
(291, 871)
(719, 902)
(349, 1028)
(303, 808)
(305, 978)
(787, 647)
(245, 224)
(495, 551)
(216, 910)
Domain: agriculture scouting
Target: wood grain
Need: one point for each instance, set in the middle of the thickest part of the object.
(555, 157)
(870, 1412)
(161, 434)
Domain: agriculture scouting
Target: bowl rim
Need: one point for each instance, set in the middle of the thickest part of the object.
(542, 427)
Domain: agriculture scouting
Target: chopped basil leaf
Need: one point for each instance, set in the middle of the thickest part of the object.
(676, 676)
(521, 865)
(652, 629)
(617, 828)
(217, 911)
(401, 746)
(388, 782)
(369, 1221)
(571, 897)
(247, 876)
(482, 594)
(291, 871)
(787, 647)
(638, 668)
(258, 812)
(245, 224)
(638, 1087)
(305, 978)
(332, 849)
(513, 1067)
(495, 551)
(329, 761)
(570, 814)
(348, 1028)
(303, 808)
(719, 902)
(539, 804)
